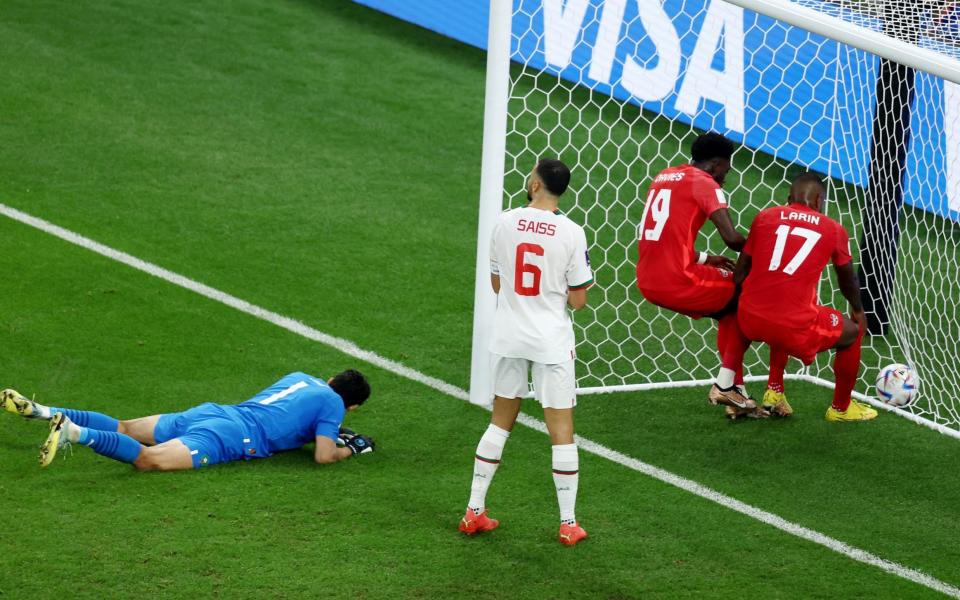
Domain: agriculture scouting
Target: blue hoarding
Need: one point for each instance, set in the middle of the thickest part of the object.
(712, 64)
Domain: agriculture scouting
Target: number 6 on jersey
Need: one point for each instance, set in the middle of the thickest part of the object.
(523, 268)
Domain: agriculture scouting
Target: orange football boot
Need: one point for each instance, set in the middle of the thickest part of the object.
(472, 523)
(571, 534)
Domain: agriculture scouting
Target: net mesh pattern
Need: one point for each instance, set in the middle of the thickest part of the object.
(934, 24)
(615, 143)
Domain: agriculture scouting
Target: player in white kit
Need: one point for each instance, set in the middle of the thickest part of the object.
(538, 267)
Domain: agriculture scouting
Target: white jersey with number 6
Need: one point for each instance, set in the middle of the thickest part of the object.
(539, 255)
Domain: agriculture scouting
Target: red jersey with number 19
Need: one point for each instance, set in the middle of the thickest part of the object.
(789, 246)
(679, 202)
(539, 256)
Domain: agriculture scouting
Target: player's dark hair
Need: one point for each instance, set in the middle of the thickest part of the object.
(555, 175)
(352, 386)
(711, 145)
(806, 188)
(809, 178)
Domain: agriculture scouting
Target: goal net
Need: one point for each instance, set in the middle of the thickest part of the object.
(618, 89)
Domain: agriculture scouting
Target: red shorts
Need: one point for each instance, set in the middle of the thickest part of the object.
(707, 291)
(822, 334)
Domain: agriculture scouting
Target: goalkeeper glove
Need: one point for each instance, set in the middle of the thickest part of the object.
(360, 444)
(344, 436)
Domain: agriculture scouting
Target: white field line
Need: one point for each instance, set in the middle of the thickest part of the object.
(351, 349)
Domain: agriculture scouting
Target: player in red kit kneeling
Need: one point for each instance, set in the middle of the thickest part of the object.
(673, 275)
(790, 245)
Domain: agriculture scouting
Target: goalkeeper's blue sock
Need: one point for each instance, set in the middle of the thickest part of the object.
(485, 464)
(86, 418)
(111, 444)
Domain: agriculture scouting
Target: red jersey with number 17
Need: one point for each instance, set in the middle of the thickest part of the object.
(679, 202)
(789, 246)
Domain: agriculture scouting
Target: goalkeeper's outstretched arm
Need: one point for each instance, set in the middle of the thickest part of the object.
(349, 443)
(327, 451)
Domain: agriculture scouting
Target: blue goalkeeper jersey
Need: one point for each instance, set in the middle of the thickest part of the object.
(291, 413)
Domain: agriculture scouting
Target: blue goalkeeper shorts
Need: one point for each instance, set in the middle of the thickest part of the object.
(207, 431)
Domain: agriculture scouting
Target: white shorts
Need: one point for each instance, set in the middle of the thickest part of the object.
(554, 386)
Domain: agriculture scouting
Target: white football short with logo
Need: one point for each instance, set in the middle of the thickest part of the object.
(554, 386)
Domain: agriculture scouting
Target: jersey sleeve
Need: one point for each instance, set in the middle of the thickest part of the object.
(330, 417)
(494, 236)
(708, 196)
(328, 425)
(579, 275)
(841, 253)
(328, 429)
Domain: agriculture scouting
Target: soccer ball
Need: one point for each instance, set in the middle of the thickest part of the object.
(897, 385)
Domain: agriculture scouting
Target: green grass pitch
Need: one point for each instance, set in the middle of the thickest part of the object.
(322, 160)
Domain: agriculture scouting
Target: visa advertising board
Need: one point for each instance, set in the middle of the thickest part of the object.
(711, 64)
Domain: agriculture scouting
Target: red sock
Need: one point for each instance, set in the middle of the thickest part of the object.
(723, 333)
(846, 365)
(778, 364)
(731, 355)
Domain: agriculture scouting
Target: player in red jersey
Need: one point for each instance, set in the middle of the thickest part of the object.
(789, 246)
(672, 275)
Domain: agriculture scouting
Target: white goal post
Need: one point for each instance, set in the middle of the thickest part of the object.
(618, 89)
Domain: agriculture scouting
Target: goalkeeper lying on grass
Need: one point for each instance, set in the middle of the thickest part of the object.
(290, 413)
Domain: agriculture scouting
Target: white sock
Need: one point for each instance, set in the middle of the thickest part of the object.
(72, 432)
(725, 378)
(37, 410)
(489, 451)
(566, 477)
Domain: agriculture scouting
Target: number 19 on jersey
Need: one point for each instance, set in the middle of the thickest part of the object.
(658, 207)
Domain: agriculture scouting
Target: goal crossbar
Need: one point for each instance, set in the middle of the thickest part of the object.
(857, 36)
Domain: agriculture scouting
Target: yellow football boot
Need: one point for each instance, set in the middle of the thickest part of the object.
(776, 403)
(855, 412)
(14, 402)
(55, 440)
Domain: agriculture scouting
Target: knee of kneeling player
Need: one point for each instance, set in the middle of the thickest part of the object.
(850, 335)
